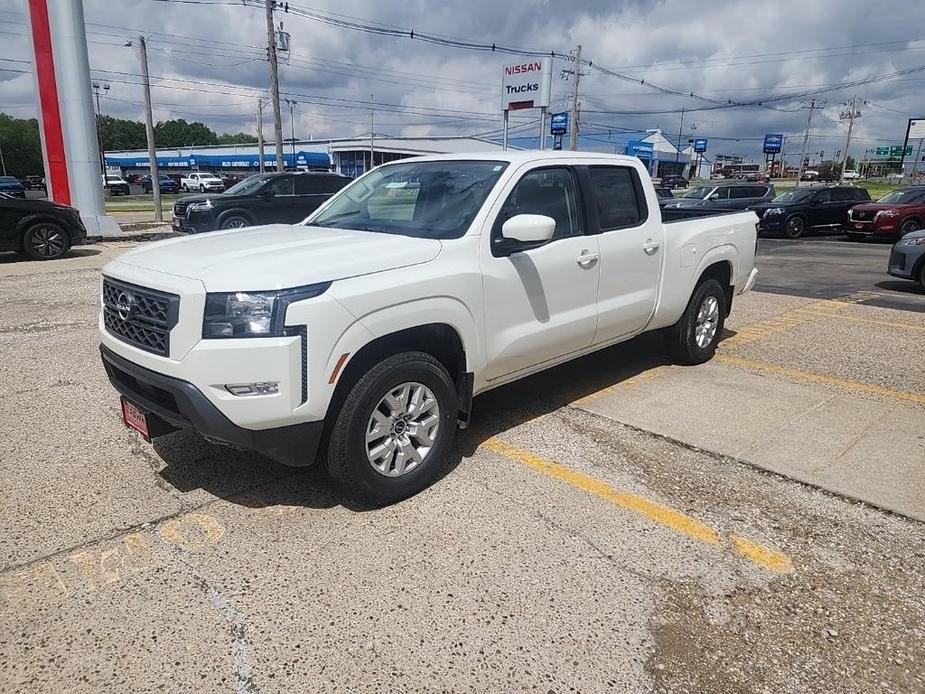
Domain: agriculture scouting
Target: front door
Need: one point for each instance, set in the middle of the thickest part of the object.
(540, 303)
(631, 241)
(280, 207)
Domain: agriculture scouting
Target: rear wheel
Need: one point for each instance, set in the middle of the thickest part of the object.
(794, 227)
(922, 275)
(693, 339)
(392, 435)
(45, 241)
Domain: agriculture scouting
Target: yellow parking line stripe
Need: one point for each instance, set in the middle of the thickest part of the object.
(872, 321)
(658, 513)
(820, 378)
(768, 558)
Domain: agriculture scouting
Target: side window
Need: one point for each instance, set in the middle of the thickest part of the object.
(307, 184)
(721, 193)
(281, 186)
(860, 194)
(616, 195)
(548, 191)
(823, 196)
(739, 192)
(841, 195)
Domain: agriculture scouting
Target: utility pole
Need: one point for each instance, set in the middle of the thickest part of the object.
(809, 122)
(292, 126)
(149, 132)
(573, 123)
(850, 114)
(915, 164)
(677, 154)
(2, 162)
(260, 106)
(274, 83)
(372, 133)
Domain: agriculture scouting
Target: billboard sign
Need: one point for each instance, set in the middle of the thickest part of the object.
(882, 151)
(526, 85)
(558, 123)
(700, 145)
(916, 128)
(897, 151)
(773, 142)
(636, 148)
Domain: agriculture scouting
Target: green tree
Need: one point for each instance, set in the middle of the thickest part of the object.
(119, 133)
(22, 149)
(236, 139)
(179, 133)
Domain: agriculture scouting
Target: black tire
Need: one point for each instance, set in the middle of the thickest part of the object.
(794, 227)
(908, 226)
(185, 188)
(681, 340)
(45, 241)
(202, 188)
(345, 455)
(234, 220)
(922, 275)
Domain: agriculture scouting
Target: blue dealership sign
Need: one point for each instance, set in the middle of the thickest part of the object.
(700, 145)
(640, 149)
(558, 123)
(773, 142)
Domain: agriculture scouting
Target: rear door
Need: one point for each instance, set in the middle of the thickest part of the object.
(824, 210)
(11, 211)
(842, 200)
(631, 250)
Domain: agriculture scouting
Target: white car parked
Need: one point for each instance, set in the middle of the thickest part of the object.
(202, 182)
(368, 328)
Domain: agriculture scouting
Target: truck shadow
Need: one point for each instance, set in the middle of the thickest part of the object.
(250, 480)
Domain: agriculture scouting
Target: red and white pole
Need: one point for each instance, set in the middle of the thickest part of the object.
(66, 116)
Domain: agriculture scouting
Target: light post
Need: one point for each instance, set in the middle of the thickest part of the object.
(99, 133)
(292, 105)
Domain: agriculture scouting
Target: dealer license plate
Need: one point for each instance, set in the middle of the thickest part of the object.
(135, 419)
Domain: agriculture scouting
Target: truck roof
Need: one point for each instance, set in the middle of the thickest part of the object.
(523, 156)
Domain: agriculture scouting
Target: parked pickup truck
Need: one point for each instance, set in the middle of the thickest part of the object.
(366, 330)
(203, 182)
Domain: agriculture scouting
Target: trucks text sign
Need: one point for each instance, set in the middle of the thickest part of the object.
(526, 84)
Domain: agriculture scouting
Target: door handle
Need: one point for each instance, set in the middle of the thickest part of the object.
(587, 258)
(651, 246)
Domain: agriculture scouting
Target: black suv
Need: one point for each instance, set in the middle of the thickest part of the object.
(793, 213)
(672, 182)
(286, 198)
(41, 229)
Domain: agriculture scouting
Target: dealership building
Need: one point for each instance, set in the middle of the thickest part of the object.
(348, 156)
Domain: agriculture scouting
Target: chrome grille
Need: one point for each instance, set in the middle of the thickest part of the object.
(140, 316)
(179, 209)
(861, 215)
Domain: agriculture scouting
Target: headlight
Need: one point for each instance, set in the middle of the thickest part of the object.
(201, 206)
(253, 314)
(920, 241)
(773, 210)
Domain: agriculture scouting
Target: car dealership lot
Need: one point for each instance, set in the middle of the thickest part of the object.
(609, 525)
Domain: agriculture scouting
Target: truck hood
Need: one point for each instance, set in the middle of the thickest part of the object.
(280, 256)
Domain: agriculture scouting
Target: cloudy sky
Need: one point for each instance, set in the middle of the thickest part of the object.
(208, 58)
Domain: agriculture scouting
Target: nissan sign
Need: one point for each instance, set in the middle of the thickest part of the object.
(526, 84)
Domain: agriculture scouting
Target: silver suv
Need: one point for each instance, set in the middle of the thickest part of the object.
(724, 196)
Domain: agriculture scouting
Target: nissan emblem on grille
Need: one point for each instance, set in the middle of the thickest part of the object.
(125, 303)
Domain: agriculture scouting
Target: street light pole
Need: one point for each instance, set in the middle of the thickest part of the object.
(99, 131)
(292, 126)
(260, 106)
(849, 115)
(809, 122)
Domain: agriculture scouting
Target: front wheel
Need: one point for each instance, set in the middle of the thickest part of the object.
(693, 339)
(234, 221)
(794, 227)
(908, 227)
(45, 241)
(393, 433)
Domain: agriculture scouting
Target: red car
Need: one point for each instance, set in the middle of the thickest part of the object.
(896, 214)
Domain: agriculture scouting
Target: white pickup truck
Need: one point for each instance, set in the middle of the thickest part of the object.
(366, 330)
(203, 182)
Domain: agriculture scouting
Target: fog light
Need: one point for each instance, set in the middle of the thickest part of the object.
(244, 389)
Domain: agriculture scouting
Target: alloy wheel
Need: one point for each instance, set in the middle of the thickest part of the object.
(48, 242)
(402, 429)
(707, 322)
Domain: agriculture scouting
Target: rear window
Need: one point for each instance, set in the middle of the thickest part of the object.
(617, 193)
(860, 194)
(313, 184)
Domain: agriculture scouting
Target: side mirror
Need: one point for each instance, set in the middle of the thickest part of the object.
(529, 228)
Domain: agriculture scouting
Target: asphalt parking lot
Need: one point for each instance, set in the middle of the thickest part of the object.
(620, 523)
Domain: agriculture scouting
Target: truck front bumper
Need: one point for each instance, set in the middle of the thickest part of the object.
(178, 404)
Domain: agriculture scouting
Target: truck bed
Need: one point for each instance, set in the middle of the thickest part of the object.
(678, 214)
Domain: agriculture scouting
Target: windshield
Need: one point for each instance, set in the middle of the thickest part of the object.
(248, 186)
(795, 195)
(113, 178)
(902, 197)
(428, 199)
(699, 192)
